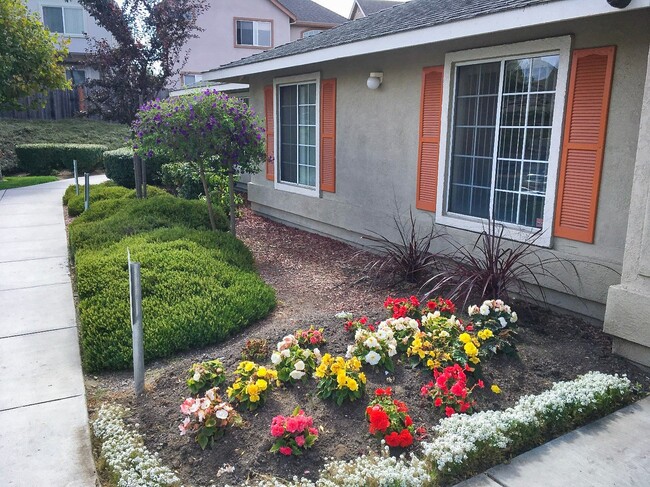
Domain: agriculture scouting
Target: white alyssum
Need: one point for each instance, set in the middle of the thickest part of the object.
(125, 453)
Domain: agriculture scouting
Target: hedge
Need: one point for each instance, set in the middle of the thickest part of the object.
(43, 159)
(119, 167)
(109, 221)
(192, 297)
(102, 192)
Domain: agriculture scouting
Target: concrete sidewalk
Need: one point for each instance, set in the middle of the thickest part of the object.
(44, 435)
(611, 452)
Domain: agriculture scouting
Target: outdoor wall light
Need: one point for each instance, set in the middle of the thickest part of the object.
(374, 80)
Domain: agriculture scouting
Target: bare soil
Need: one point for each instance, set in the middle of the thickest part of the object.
(316, 277)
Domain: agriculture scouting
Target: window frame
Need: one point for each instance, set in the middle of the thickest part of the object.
(277, 183)
(560, 46)
(196, 75)
(255, 23)
(63, 8)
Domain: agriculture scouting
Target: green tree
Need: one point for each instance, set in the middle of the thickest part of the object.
(210, 130)
(30, 56)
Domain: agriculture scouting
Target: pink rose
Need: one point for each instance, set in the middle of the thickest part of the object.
(300, 440)
(285, 450)
(313, 431)
(277, 430)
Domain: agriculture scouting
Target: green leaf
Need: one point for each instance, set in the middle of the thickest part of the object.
(202, 441)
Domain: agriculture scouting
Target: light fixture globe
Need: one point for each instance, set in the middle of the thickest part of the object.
(374, 80)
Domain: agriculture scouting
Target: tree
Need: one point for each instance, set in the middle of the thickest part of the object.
(145, 52)
(210, 130)
(30, 56)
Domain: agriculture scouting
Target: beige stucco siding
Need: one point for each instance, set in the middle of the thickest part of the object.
(377, 139)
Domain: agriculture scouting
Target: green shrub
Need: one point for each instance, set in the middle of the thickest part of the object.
(98, 192)
(191, 298)
(109, 221)
(70, 190)
(119, 167)
(42, 159)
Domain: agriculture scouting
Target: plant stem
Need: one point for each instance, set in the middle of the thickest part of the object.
(208, 198)
(231, 195)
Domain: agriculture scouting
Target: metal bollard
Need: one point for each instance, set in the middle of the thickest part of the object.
(86, 191)
(76, 176)
(137, 332)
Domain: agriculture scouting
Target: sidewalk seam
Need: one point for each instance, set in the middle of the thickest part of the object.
(34, 226)
(37, 332)
(41, 403)
(494, 479)
(33, 258)
(32, 287)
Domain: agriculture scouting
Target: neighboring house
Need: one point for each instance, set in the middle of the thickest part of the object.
(363, 8)
(69, 19)
(234, 29)
(533, 112)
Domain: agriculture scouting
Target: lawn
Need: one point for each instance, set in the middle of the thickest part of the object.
(22, 181)
(70, 131)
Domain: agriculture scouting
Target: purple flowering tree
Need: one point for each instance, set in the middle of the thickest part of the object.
(208, 130)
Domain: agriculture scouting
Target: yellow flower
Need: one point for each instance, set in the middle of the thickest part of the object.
(230, 391)
(352, 384)
(496, 389)
(470, 349)
(354, 363)
(474, 360)
(362, 377)
(237, 385)
(327, 358)
(248, 366)
(252, 389)
(320, 371)
(341, 379)
(465, 338)
(272, 374)
(485, 334)
(261, 372)
(254, 398)
(261, 384)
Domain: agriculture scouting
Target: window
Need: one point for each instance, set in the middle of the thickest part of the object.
(64, 20)
(77, 76)
(296, 133)
(502, 151)
(309, 33)
(253, 33)
(190, 79)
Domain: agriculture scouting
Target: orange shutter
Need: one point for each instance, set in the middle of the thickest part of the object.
(328, 135)
(585, 127)
(429, 143)
(268, 114)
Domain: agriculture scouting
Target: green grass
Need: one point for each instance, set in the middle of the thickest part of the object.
(21, 181)
(70, 131)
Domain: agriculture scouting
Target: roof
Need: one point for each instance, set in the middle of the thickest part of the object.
(308, 11)
(413, 15)
(369, 7)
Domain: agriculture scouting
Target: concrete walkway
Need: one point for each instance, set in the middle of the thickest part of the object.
(44, 436)
(611, 452)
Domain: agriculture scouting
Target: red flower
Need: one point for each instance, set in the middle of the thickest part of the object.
(379, 420)
(458, 389)
(285, 450)
(421, 433)
(371, 328)
(408, 421)
(464, 406)
(363, 320)
(438, 402)
(424, 390)
(384, 392)
(405, 438)
(414, 301)
(469, 328)
(449, 411)
(401, 407)
(480, 383)
(393, 439)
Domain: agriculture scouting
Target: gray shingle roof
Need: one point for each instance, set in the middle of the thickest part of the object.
(416, 14)
(372, 6)
(308, 11)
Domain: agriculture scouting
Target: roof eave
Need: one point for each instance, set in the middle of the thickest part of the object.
(511, 19)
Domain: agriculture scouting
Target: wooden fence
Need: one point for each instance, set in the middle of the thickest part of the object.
(59, 104)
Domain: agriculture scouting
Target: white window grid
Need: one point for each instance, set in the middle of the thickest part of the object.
(63, 9)
(256, 32)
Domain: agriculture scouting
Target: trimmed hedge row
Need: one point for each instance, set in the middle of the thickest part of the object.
(109, 221)
(42, 159)
(101, 192)
(119, 167)
(192, 296)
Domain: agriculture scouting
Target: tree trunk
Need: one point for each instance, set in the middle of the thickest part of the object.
(208, 198)
(231, 195)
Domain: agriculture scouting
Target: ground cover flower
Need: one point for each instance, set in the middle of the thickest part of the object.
(205, 375)
(389, 419)
(340, 379)
(311, 337)
(294, 433)
(251, 384)
(208, 416)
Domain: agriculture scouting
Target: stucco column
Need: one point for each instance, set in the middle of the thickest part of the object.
(627, 316)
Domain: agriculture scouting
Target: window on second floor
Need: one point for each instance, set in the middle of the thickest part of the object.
(253, 33)
(309, 33)
(64, 20)
(190, 79)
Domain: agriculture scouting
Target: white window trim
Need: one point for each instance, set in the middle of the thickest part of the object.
(63, 7)
(256, 32)
(279, 185)
(555, 45)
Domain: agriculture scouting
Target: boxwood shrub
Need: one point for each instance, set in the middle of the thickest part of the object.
(43, 159)
(109, 221)
(192, 297)
(101, 192)
(119, 167)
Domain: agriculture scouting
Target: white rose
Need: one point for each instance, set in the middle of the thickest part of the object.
(276, 358)
(211, 394)
(307, 353)
(317, 354)
(513, 317)
(484, 309)
(299, 365)
(503, 322)
(358, 334)
(221, 414)
(392, 350)
(371, 342)
(296, 374)
(472, 310)
(196, 376)
(444, 334)
(382, 335)
(499, 302)
(285, 353)
(350, 351)
(372, 357)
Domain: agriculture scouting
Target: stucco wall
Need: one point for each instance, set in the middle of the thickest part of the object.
(78, 43)
(377, 137)
(216, 44)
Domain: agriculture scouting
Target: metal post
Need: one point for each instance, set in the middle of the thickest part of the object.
(86, 191)
(76, 176)
(135, 289)
(137, 173)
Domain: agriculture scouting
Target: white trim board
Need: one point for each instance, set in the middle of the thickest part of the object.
(534, 15)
